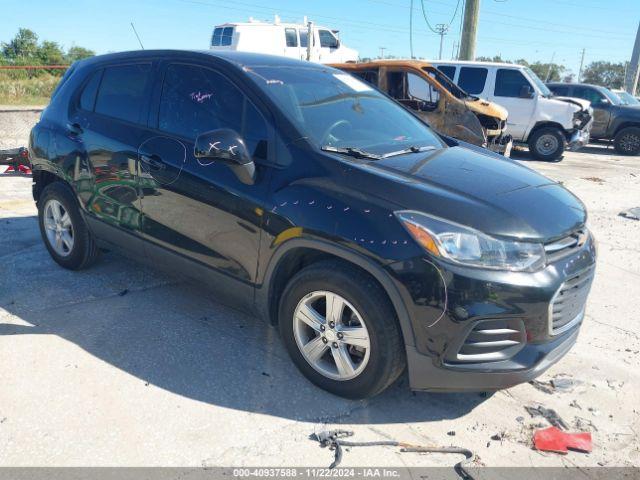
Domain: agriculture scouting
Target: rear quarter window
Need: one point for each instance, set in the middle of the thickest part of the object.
(472, 79)
(122, 92)
(90, 91)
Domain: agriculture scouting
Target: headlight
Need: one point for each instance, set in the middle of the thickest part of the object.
(466, 246)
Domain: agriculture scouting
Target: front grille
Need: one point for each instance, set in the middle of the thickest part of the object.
(565, 246)
(492, 340)
(567, 306)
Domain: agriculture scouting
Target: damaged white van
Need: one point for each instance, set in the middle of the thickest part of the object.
(284, 39)
(546, 125)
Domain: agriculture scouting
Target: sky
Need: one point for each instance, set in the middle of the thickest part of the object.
(530, 29)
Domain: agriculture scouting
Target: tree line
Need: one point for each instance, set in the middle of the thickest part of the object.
(26, 49)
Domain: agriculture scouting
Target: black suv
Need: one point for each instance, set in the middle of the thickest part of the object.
(612, 119)
(300, 193)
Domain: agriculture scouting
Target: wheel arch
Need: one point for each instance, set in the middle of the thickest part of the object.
(299, 253)
(545, 124)
(624, 125)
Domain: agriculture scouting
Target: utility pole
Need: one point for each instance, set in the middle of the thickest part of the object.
(581, 64)
(550, 67)
(631, 78)
(469, 30)
(441, 28)
(453, 50)
(382, 49)
(309, 39)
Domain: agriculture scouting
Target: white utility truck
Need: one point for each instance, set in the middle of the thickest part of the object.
(285, 39)
(545, 123)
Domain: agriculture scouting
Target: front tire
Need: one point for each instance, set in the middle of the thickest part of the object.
(341, 330)
(63, 230)
(627, 141)
(547, 144)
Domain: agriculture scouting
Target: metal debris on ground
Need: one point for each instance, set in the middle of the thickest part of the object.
(553, 439)
(549, 414)
(632, 213)
(334, 439)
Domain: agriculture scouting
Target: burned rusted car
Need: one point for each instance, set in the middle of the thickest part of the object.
(441, 103)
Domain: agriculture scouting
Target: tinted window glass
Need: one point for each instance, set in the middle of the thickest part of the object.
(88, 96)
(222, 36)
(196, 100)
(587, 93)
(509, 83)
(122, 91)
(327, 39)
(291, 37)
(472, 79)
(560, 90)
(448, 70)
(370, 76)
(254, 131)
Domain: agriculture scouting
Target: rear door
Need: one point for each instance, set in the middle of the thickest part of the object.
(199, 214)
(110, 121)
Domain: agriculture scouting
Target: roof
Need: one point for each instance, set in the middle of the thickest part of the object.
(239, 59)
(475, 63)
(574, 84)
(382, 63)
(270, 24)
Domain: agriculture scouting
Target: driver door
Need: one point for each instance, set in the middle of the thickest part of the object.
(601, 109)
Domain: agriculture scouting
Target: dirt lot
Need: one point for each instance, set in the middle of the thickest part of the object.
(121, 365)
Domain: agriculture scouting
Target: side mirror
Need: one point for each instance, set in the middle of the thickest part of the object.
(603, 102)
(526, 92)
(226, 146)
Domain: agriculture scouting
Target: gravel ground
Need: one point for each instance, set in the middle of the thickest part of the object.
(120, 365)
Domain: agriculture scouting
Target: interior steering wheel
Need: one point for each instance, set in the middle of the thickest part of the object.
(332, 127)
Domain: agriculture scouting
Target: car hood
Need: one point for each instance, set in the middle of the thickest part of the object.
(485, 107)
(490, 193)
(583, 104)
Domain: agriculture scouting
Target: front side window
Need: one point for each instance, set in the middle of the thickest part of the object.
(419, 89)
(331, 107)
(122, 91)
(327, 40)
(197, 100)
(472, 79)
(510, 83)
(291, 37)
(587, 93)
(222, 36)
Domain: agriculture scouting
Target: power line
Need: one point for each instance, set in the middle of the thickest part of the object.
(424, 14)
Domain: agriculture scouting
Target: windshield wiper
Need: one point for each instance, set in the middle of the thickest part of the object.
(358, 153)
(351, 151)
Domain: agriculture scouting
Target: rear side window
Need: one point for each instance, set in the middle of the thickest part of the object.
(291, 36)
(222, 36)
(122, 91)
(559, 90)
(509, 83)
(472, 79)
(304, 34)
(90, 90)
(449, 71)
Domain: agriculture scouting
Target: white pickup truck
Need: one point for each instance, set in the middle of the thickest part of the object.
(546, 125)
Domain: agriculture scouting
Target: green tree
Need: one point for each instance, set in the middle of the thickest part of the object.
(23, 46)
(548, 72)
(78, 53)
(607, 74)
(50, 53)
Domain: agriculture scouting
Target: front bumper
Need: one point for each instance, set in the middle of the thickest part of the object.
(579, 139)
(458, 325)
(501, 144)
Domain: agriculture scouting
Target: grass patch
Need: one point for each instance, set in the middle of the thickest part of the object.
(35, 90)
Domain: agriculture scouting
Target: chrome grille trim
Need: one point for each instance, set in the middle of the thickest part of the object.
(567, 306)
(492, 340)
(565, 246)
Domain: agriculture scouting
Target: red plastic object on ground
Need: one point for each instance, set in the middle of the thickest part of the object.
(553, 439)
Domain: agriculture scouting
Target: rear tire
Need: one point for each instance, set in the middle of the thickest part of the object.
(63, 230)
(627, 141)
(547, 144)
(375, 359)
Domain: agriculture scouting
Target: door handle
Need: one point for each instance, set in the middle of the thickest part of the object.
(74, 128)
(153, 161)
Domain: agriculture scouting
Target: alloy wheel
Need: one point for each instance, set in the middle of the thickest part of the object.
(58, 228)
(331, 335)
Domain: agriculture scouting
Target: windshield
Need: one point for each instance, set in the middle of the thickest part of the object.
(332, 108)
(446, 82)
(539, 83)
(627, 98)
